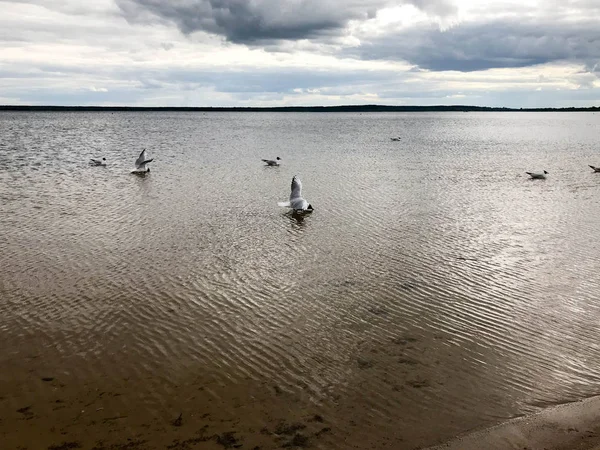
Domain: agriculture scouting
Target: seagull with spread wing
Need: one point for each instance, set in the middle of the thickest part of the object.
(297, 203)
(140, 163)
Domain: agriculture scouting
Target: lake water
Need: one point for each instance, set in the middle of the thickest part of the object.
(435, 289)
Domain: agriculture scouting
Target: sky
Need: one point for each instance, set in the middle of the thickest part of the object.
(507, 53)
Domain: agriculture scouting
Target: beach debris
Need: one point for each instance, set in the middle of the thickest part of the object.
(299, 440)
(228, 440)
(65, 446)
(322, 430)
(364, 363)
(108, 419)
(177, 422)
(419, 383)
(288, 428)
(26, 411)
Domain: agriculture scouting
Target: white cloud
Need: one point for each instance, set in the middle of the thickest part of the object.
(147, 52)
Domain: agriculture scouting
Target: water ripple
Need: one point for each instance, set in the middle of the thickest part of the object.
(433, 279)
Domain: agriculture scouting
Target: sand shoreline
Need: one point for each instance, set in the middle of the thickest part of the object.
(569, 426)
(105, 416)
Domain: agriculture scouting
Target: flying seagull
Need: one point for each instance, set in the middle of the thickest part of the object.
(272, 162)
(297, 203)
(596, 169)
(140, 163)
(537, 176)
(395, 139)
(98, 162)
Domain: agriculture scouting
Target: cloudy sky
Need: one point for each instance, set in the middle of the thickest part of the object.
(515, 53)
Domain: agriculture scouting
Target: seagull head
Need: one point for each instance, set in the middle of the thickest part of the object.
(546, 173)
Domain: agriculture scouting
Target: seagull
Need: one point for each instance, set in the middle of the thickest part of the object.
(98, 162)
(596, 169)
(272, 162)
(537, 176)
(140, 163)
(297, 203)
(395, 139)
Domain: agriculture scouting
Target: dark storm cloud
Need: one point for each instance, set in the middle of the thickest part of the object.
(260, 21)
(479, 46)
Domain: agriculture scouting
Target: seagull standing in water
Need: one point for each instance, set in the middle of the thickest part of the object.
(596, 169)
(98, 162)
(297, 203)
(140, 163)
(272, 162)
(537, 176)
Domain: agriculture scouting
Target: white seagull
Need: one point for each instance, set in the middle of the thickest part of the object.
(537, 176)
(98, 162)
(272, 162)
(297, 203)
(596, 169)
(140, 163)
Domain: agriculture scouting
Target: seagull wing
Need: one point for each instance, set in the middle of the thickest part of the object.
(296, 189)
(141, 159)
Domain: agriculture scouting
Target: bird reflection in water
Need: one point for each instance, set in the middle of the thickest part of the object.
(297, 220)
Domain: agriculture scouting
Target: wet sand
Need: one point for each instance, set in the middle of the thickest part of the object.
(249, 416)
(58, 411)
(49, 402)
(103, 401)
(572, 426)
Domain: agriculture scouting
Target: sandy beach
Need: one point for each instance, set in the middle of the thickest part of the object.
(197, 415)
(572, 426)
(61, 413)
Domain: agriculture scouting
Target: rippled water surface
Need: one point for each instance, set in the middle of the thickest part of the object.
(434, 289)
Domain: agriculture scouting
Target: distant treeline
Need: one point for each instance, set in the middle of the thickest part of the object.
(348, 108)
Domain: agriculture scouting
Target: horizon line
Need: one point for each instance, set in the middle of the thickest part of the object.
(315, 108)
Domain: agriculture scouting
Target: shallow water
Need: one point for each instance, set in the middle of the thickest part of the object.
(434, 289)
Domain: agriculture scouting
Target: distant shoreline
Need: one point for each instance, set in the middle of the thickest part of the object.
(347, 108)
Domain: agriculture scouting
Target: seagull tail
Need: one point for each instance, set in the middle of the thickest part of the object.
(593, 167)
(284, 204)
(529, 173)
